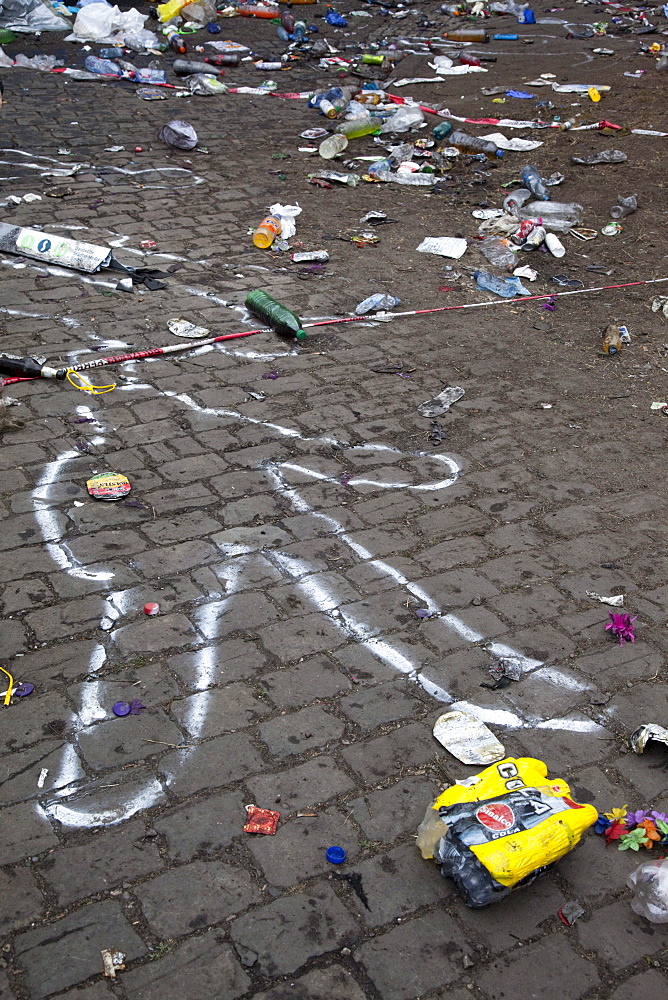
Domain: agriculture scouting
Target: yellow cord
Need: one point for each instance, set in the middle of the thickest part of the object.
(8, 696)
(86, 385)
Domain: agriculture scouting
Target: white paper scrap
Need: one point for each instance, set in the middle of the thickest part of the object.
(444, 246)
(517, 145)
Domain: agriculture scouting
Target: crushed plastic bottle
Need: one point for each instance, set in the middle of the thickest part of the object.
(352, 180)
(105, 67)
(507, 288)
(532, 180)
(497, 251)
(605, 156)
(649, 883)
(379, 302)
(405, 118)
(624, 207)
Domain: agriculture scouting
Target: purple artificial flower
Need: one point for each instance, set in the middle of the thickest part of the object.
(634, 818)
(271, 375)
(550, 304)
(621, 625)
(658, 816)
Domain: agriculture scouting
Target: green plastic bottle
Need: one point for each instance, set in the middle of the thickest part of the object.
(278, 317)
(442, 131)
(357, 127)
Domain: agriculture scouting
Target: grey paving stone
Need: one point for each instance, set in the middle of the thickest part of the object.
(20, 899)
(153, 635)
(212, 764)
(5, 993)
(125, 739)
(372, 707)
(527, 913)
(43, 716)
(388, 813)
(318, 780)
(397, 884)
(418, 956)
(107, 860)
(194, 896)
(203, 826)
(303, 730)
(389, 755)
(233, 660)
(20, 771)
(99, 991)
(66, 952)
(202, 967)
(70, 660)
(24, 831)
(297, 850)
(547, 970)
(642, 987)
(209, 713)
(279, 938)
(317, 678)
(301, 636)
(619, 936)
(333, 983)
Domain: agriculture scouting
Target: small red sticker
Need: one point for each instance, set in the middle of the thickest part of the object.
(496, 816)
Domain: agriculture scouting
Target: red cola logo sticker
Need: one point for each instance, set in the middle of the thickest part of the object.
(496, 816)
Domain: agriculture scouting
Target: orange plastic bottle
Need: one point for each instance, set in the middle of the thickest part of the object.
(257, 10)
(266, 232)
(466, 35)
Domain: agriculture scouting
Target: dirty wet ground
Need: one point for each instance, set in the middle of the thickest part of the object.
(290, 541)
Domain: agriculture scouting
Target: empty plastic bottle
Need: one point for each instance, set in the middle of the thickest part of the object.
(532, 180)
(557, 216)
(267, 231)
(332, 146)
(443, 130)
(624, 206)
(473, 144)
(113, 53)
(352, 180)
(150, 75)
(324, 101)
(498, 252)
(466, 35)
(278, 317)
(185, 67)
(224, 59)
(507, 288)
(514, 201)
(605, 156)
(405, 118)
(375, 303)
(287, 21)
(105, 67)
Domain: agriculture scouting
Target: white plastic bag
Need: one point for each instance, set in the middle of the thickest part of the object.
(97, 22)
(30, 15)
(287, 214)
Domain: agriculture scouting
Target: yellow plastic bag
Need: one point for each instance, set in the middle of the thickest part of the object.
(166, 11)
(502, 828)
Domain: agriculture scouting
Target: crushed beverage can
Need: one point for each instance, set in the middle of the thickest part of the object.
(309, 255)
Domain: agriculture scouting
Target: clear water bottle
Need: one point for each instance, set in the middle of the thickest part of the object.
(507, 288)
(105, 67)
(650, 891)
(534, 182)
(332, 146)
(375, 303)
(474, 144)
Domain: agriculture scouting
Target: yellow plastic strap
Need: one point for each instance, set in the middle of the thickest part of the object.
(86, 385)
(8, 696)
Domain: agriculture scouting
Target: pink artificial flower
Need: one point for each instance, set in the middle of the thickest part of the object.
(621, 625)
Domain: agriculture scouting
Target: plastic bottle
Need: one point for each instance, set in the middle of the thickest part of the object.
(175, 40)
(224, 59)
(467, 60)
(375, 303)
(267, 231)
(278, 317)
(352, 180)
(624, 206)
(497, 251)
(358, 127)
(466, 35)
(405, 118)
(555, 246)
(324, 101)
(611, 341)
(105, 67)
(113, 53)
(514, 201)
(185, 67)
(557, 216)
(443, 130)
(650, 891)
(256, 10)
(287, 21)
(149, 75)
(507, 288)
(332, 146)
(532, 180)
(473, 144)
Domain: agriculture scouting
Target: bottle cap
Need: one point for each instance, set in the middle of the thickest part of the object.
(335, 855)
(121, 709)
(499, 153)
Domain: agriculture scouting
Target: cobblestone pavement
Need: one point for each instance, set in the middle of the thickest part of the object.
(289, 542)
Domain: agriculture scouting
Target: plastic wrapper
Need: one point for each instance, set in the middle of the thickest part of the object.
(98, 22)
(501, 828)
(650, 885)
(178, 134)
(31, 15)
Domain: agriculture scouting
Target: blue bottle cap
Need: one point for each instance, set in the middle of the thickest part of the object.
(121, 709)
(335, 855)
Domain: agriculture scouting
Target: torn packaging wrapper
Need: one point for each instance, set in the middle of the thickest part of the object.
(261, 820)
(53, 249)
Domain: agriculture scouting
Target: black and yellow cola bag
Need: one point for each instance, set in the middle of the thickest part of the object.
(501, 828)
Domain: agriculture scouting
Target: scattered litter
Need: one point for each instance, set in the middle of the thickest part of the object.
(123, 708)
(444, 246)
(606, 156)
(261, 820)
(506, 668)
(616, 602)
(376, 303)
(54, 249)
(108, 486)
(570, 912)
(467, 738)
(178, 134)
(650, 885)
(441, 403)
(649, 731)
(660, 304)
(621, 626)
(42, 777)
(23, 690)
(112, 961)
(501, 828)
(151, 608)
(611, 340)
(335, 855)
(182, 328)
